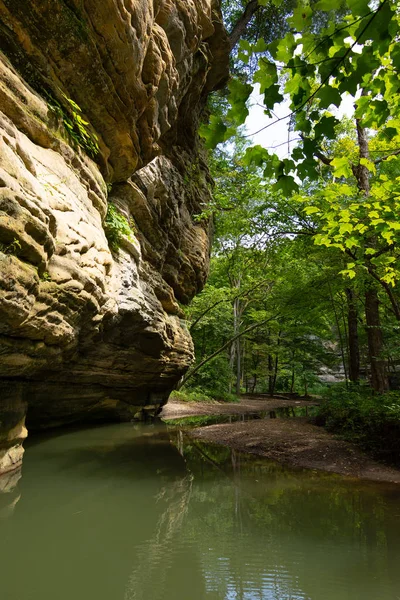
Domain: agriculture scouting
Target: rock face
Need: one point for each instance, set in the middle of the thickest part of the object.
(100, 103)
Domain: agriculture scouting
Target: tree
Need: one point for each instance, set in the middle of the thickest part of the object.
(352, 48)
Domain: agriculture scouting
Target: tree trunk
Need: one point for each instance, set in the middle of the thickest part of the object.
(232, 353)
(275, 374)
(379, 379)
(339, 335)
(238, 366)
(275, 369)
(270, 375)
(237, 314)
(240, 26)
(354, 348)
(292, 381)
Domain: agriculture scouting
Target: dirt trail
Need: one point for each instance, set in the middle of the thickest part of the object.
(292, 441)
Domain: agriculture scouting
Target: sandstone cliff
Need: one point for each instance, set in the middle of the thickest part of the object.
(99, 107)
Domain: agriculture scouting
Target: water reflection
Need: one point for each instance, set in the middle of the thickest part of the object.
(142, 513)
(283, 412)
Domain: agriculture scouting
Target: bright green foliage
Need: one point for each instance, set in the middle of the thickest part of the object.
(116, 227)
(70, 115)
(366, 230)
(315, 66)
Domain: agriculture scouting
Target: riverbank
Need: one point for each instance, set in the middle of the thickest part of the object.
(247, 404)
(292, 441)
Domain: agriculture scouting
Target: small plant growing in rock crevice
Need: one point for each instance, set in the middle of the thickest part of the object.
(13, 248)
(116, 226)
(45, 276)
(75, 126)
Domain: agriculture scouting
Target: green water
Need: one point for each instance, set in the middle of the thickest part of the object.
(128, 512)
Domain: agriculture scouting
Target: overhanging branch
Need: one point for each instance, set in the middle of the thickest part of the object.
(240, 26)
(221, 349)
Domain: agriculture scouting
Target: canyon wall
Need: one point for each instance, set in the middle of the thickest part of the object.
(100, 104)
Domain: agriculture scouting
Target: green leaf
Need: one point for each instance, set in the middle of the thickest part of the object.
(272, 96)
(287, 184)
(238, 96)
(345, 228)
(214, 132)
(326, 128)
(311, 210)
(327, 5)
(260, 45)
(286, 47)
(341, 166)
(352, 242)
(358, 7)
(301, 17)
(297, 154)
(308, 168)
(266, 76)
(390, 132)
(369, 164)
(329, 95)
(373, 113)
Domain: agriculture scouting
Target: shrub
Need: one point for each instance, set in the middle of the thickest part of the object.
(214, 379)
(360, 415)
(187, 394)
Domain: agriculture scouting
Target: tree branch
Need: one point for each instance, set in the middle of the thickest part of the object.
(324, 159)
(244, 293)
(240, 26)
(379, 160)
(340, 59)
(221, 349)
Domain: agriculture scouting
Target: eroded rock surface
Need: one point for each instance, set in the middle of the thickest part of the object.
(85, 332)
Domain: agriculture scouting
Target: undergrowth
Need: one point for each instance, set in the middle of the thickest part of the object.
(198, 395)
(359, 415)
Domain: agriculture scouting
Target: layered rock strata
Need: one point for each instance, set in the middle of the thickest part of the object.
(100, 103)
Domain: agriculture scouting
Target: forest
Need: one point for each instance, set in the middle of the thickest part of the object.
(304, 295)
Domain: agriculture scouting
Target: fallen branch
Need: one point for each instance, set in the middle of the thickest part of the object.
(221, 349)
(244, 293)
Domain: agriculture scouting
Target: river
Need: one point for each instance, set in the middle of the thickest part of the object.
(142, 512)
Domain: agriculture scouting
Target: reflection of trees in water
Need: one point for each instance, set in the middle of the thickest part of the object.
(154, 556)
(257, 529)
(257, 523)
